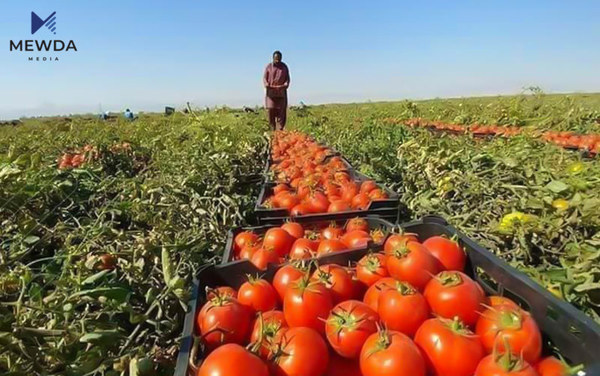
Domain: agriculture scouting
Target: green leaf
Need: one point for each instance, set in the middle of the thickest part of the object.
(31, 239)
(166, 265)
(557, 186)
(117, 293)
(96, 277)
(99, 336)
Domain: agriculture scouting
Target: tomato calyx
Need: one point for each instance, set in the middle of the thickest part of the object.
(449, 278)
(266, 332)
(372, 263)
(508, 361)
(312, 235)
(303, 284)
(401, 250)
(457, 326)
(377, 235)
(342, 319)
(383, 341)
(217, 298)
(404, 288)
(510, 318)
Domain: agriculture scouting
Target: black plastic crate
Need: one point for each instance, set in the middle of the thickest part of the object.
(374, 223)
(387, 209)
(575, 335)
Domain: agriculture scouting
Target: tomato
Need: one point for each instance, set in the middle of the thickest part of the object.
(412, 263)
(349, 190)
(359, 287)
(317, 202)
(232, 360)
(402, 308)
(449, 347)
(295, 229)
(303, 248)
(367, 186)
(396, 241)
(503, 365)
(307, 303)
(221, 291)
(224, 320)
(248, 250)
(338, 206)
(371, 297)
(391, 354)
(332, 232)
(453, 293)
(339, 366)
(357, 224)
(257, 294)
(281, 188)
(505, 324)
(378, 235)
(243, 238)
(361, 201)
(286, 275)
(356, 239)
(378, 194)
(265, 329)
(495, 300)
(286, 200)
(348, 327)
(299, 352)
(329, 246)
(108, 261)
(300, 209)
(278, 240)
(450, 254)
(77, 160)
(551, 366)
(371, 268)
(337, 280)
(263, 257)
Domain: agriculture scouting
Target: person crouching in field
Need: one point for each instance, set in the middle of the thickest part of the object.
(276, 81)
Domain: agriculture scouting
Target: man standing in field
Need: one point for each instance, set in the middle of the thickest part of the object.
(276, 81)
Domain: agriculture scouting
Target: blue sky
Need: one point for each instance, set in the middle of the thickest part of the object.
(148, 54)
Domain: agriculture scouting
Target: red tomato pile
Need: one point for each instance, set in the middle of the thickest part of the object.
(295, 242)
(589, 142)
(87, 153)
(308, 184)
(408, 311)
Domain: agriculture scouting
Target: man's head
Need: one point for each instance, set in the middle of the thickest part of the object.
(277, 57)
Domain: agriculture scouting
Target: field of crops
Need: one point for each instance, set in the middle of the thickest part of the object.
(96, 260)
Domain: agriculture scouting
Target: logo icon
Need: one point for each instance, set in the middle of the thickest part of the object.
(37, 22)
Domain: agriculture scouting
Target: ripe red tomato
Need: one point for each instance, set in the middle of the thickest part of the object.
(232, 360)
(332, 232)
(449, 347)
(338, 206)
(495, 300)
(286, 200)
(307, 303)
(286, 275)
(397, 241)
(263, 257)
(551, 366)
(257, 294)
(329, 246)
(224, 320)
(357, 224)
(371, 268)
(348, 327)
(391, 354)
(280, 188)
(278, 240)
(265, 329)
(371, 297)
(403, 308)
(337, 280)
(299, 209)
(378, 194)
(303, 248)
(243, 238)
(339, 366)
(221, 291)
(356, 239)
(505, 324)
(494, 365)
(295, 229)
(367, 186)
(452, 294)
(447, 251)
(361, 201)
(413, 263)
(317, 202)
(299, 352)
(248, 250)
